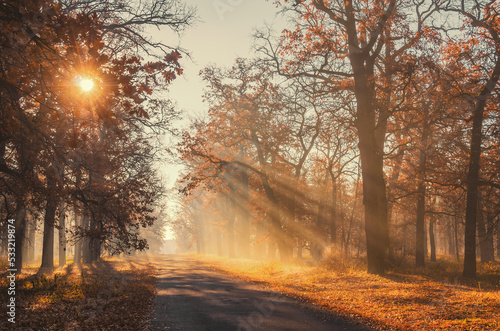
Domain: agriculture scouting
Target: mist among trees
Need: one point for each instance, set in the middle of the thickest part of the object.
(81, 122)
(351, 161)
(367, 128)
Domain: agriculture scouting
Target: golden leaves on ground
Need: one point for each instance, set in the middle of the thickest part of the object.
(397, 301)
(108, 295)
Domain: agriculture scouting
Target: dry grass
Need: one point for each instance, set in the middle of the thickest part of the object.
(109, 295)
(401, 300)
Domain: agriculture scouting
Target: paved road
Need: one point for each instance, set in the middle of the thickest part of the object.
(191, 296)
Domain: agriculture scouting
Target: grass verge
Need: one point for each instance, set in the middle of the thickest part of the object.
(401, 300)
(108, 295)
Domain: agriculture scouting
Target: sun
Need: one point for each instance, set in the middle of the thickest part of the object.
(86, 84)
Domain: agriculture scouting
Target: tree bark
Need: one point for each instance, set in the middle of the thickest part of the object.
(276, 228)
(62, 234)
(200, 241)
(333, 212)
(231, 215)
(95, 241)
(78, 244)
(300, 246)
(449, 236)
(371, 125)
(230, 200)
(472, 191)
(20, 227)
(432, 239)
(374, 192)
(260, 230)
(485, 234)
(244, 215)
(457, 246)
(275, 220)
(31, 239)
(371, 140)
(93, 231)
(498, 239)
(489, 245)
(48, 236)
(474, 164)
(316, 242)
(421, 192)
(86, 252)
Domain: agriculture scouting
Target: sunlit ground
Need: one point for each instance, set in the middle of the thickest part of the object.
(400, 300)
(109, 295)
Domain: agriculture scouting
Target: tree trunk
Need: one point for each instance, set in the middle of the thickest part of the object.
(275, 219)
(260, 230)
(86, 251)
(474, 167)
(426, 245)
(371, 142)
(404, 239)
(78, 244)
(371, 125)
(449, 236)
(498, 239)
(457, 246)
(432, 239)
(333, 214)
(472, 191)
(244, 215)
(421, 192)
(346, 235)
(276, 229)
(230, 178)
(200, 242)
(300, 246)
(391, 187)
(490, 233)
(485, 234)
(316, 241)
(349, 231)
(20, 231)
(291, 213)
(31, 239)
(374, 195)
(25, 247)
(62, 234)
(230, 212)
(490, 242)
(94, 240)
(48, 236)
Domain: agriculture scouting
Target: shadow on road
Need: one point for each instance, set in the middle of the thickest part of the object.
(193, 297)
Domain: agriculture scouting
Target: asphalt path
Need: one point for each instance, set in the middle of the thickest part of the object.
(191, 296)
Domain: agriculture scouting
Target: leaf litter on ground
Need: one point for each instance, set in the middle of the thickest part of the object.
(403, 299)
(113, 294)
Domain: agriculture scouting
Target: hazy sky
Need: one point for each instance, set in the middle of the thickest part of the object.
(224, 33)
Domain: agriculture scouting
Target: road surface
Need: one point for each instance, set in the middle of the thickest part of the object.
(191, 296)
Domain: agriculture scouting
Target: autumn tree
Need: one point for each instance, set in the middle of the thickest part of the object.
(355, 46)
(482, 70)
(51, 44)
(243, 104)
